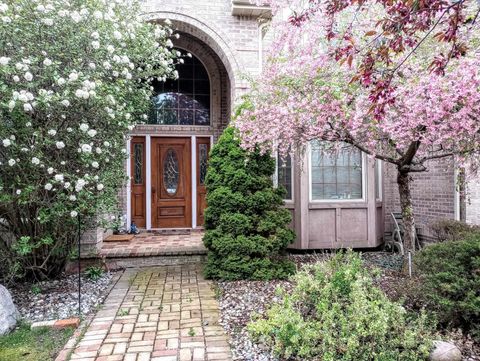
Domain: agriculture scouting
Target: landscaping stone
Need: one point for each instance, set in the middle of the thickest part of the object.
(445, 351)
(8, 312)
(58, 299)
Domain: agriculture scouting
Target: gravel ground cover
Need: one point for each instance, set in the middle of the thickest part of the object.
(58, 299)
(239, 300)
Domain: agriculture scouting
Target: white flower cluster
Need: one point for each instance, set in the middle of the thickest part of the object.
(59, 103)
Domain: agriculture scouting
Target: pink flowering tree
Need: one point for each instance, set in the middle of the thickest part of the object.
(74, 79)
(398, 80)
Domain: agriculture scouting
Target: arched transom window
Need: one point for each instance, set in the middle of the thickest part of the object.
(185, 101)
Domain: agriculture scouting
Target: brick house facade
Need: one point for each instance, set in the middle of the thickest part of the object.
(227, 39)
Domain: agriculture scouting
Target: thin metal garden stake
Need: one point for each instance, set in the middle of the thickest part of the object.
(410, 264)
(79, 272)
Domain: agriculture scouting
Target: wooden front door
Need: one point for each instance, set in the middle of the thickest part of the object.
(171, 183)
(203, 149)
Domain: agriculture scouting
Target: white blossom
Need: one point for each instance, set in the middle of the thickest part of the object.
(82, 94)
(50, 170)
(16, 78)
(28, 76)
(52, 132)
(27, 107)
(47, 62)
(4, 60)
(95, 164)
(95, 35)
(6, 142)
(92, 133)
(41, 8)
(73, 76)
(86, 148)
(98, 150)
(58, 177)
(73, 214)
(3, 8)
(35, 161)
(11, 162)
(72, 197)
(60, 145)
(11, 104)
(100, 186)
(117, 35)
(110, 49)
(96, 44)
(97, 14)
(65, 102)
(61, 81)
(18, 192)
(83, 127)
(76, 17)
(80, 183)
(66, 185)
(48, 186)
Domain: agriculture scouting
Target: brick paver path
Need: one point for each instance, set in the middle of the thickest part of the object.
(161, 314)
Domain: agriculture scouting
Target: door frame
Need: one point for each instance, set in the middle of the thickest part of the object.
(148, 176)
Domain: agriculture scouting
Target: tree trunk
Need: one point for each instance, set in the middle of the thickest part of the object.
(403, 180)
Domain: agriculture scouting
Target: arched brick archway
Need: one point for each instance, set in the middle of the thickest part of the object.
(213, 38)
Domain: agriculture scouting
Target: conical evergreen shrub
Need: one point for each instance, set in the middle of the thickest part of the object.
(246, 226)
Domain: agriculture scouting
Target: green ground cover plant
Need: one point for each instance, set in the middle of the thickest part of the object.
(335, 313)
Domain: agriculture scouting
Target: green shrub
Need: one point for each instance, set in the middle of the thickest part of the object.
(452, 230)
(334, 313)
(246, 225)
(450, 275)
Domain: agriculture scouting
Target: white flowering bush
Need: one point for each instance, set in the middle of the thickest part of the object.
(74, 79)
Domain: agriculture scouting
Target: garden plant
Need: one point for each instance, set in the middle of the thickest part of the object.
(74, 78)
(449, 275)
(246, 226)
(334, 312)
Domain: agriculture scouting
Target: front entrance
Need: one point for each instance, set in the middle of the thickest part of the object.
(167, 188)
(171, 183)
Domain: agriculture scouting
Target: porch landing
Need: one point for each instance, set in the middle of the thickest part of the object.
(152, 244)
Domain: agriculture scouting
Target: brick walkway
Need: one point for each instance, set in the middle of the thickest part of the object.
(160, 314)
(150, 244)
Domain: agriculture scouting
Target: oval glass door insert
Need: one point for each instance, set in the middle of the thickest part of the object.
(171, 172)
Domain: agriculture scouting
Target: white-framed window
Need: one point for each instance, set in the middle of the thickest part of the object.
(378, 179)
(337, 173)
(283, 175)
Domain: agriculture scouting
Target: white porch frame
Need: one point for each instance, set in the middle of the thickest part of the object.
(148, 175)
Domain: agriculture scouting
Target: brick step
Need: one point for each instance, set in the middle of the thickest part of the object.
(146, 261)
